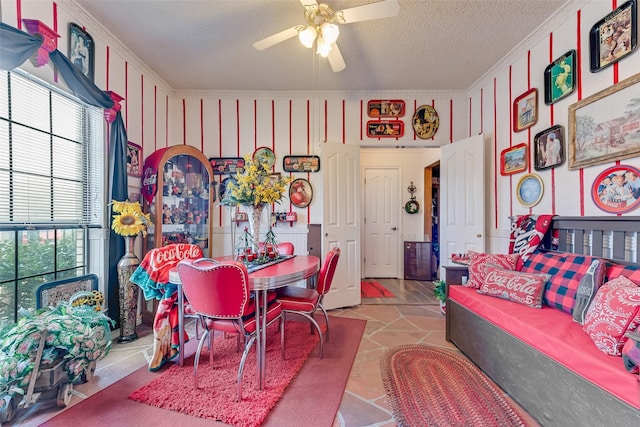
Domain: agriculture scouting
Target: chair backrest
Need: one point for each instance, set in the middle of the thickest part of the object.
(285, 248)
(215, 289)
(328, 269)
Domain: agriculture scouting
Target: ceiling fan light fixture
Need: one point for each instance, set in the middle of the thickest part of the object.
(307, 36)
(323, 48)
(330, 32)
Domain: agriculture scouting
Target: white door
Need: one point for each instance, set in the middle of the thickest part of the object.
(341, 220)
(381, 223)
(462, 198)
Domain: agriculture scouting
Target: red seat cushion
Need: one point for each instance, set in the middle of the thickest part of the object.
(294, 298)
(273, 310)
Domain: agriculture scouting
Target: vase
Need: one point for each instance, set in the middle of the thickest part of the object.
(254, 215)
(128, 292)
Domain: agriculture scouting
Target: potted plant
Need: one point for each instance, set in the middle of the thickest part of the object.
(440, 292)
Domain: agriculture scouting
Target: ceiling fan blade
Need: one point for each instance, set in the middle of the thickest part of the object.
(335, 59)
(306, 3)
(276, 38)
(377, 10)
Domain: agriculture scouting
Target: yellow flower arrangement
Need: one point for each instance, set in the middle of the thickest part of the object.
(255, 186)
(129, 220)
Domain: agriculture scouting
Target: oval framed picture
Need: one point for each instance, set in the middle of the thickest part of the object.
(529, 190)
(616, 189)
(425, 122)
(300, 193)
(265, 155)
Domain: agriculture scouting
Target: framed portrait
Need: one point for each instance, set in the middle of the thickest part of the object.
(393, 108)
(529, 190)
(385, 128)
(525, 110)
(425, 122)
(265, 155)
(559, 78)
(549, 148)
(226, 165)
(134, 159)
(616, 190)
(300, 193)
(513, 159)
(301, 163)
(613, 37)
(605, 127)
(81, 50)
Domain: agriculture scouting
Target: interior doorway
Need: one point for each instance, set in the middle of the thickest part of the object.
(431, 217)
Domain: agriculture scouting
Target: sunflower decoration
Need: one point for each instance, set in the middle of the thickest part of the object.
(128, 218)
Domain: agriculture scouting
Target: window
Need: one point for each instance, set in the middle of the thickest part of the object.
(51, 190)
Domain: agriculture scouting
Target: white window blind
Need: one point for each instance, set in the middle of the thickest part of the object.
(51, 156)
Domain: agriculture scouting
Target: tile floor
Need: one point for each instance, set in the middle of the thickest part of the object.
(413, 316)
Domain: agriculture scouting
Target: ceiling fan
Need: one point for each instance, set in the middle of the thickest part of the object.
(321, 27)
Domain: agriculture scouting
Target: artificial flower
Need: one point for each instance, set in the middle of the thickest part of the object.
(256, 185)
(129, 220)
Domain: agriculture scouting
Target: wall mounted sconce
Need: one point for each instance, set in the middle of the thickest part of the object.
(111, 113)
(49, 41)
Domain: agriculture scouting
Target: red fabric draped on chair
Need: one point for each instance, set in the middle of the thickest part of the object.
(219, 293)
(305, 302)
(152, 275)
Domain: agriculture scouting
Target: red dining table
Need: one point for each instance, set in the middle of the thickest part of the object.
(283, 273)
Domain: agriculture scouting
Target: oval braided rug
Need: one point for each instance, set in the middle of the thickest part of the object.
(428, 386)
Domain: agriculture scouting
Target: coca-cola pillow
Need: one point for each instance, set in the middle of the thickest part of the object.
(516, 286)
(478, 262)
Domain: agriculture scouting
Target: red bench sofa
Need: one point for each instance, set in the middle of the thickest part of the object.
(542, 357)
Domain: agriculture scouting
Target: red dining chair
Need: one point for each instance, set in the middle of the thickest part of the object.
(284, 248)
(219, 293)
(305, 301)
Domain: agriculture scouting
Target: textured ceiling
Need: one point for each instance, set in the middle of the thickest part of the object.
(429, 45)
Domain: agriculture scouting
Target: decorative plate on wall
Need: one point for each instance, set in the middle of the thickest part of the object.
(300, 193)
(425, 122)
(265, 155)
(616, 189)
(529, 190)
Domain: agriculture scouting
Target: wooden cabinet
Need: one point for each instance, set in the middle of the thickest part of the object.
(454, 274)
(417, 261)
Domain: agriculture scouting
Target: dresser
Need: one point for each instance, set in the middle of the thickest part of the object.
(417, 261)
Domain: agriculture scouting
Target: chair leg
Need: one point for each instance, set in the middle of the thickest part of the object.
(326, 319)
(205, 337)
(241, 368)
(313, 324)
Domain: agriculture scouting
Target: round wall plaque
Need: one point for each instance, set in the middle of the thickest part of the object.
(425, 122)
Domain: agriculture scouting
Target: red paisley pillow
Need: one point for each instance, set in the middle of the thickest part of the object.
(614, 311)
(478, 262)
(523, 288)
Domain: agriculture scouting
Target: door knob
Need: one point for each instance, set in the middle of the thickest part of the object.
(394, 228)
(478, 235)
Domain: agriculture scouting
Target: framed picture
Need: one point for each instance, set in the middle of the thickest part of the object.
(301, 163)
(300, 193)
(226, 165)
(529, 190)
(602, 128)
(265, 155)
(616, 189)
(559, 78)
(224, 185)
(525, 110)
(425, 122)
(549, 148)
(513, 159)
(385, 128)
(134, 159)
(393, 108)
(613, 37)
(81, 50)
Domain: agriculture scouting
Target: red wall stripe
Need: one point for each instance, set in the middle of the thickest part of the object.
(362, 124)
(220, 126)
(495, 149)
(184, 121)
(291, 127)
(19, 14)
(552, 122)
(166, 120)
(529, 129)
(510, 137)
(273, 126)
(580, 68)
(155, 117)
(255, 124)
(202, 125)
(126, 94)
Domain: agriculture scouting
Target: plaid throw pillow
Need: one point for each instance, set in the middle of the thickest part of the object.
(632, 272)
(566, 272)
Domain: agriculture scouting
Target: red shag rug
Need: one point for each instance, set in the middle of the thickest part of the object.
(428, 386)
(216, 397)
(373, 289)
